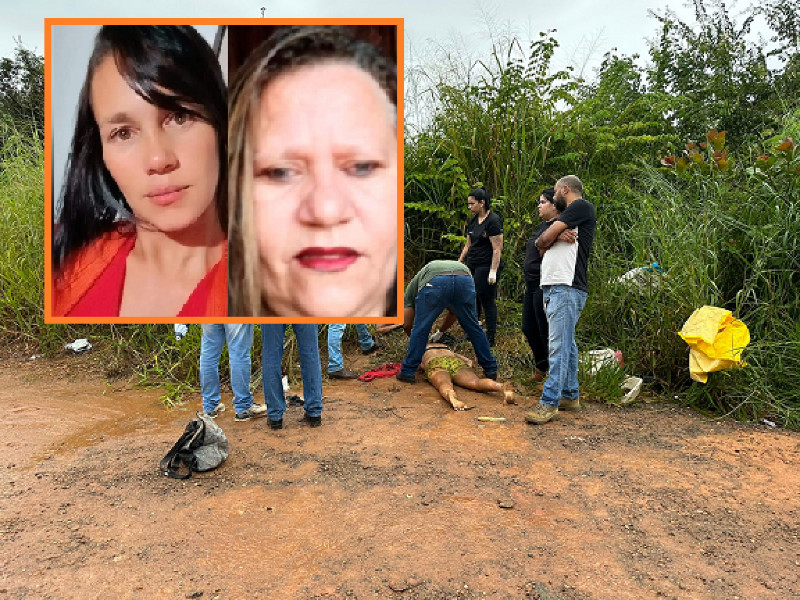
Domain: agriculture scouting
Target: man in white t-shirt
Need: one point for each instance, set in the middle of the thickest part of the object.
(564, 286)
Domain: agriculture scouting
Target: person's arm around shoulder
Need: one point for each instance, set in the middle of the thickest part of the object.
(550, 235)
(562, 228)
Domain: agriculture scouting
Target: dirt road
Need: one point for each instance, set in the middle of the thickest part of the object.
(395, 496)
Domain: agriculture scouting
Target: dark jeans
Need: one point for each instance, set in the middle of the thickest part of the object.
(458, 293)
(485, 298)
(310, 368)
(534, 324)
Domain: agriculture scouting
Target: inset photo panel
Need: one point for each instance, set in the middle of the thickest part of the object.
(315, 171)
(138, 129)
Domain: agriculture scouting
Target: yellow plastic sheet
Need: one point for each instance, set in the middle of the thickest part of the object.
(716, 340)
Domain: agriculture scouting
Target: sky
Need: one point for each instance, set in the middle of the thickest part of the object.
(586, 28)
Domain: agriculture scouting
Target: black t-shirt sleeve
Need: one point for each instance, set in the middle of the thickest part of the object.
(577, 213)
(494, 226)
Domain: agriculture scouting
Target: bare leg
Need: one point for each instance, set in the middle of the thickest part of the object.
(468, 379)
(440, 379)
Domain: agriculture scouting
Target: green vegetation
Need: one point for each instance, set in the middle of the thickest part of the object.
(691, 163)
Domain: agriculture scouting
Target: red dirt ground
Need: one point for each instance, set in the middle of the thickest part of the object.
(395, 496)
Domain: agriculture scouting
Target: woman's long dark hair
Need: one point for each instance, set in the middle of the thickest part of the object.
(170, 66)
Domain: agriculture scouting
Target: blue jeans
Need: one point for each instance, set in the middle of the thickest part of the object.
(240, 338)
(457, 292)
(335, 334)
(310, 368)
(562, 305)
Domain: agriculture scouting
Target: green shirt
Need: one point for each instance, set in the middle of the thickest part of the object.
(428, 272)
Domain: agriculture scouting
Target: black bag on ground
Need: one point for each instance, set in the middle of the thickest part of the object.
(202, 447)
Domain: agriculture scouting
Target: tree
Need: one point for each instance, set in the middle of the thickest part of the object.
(720, 75)
(22, 91)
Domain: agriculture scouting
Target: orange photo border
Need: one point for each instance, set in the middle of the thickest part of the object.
(48, 182)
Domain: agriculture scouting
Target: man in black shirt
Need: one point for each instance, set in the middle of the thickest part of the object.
(564, 287)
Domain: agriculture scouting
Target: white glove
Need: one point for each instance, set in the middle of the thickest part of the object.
(492, 279)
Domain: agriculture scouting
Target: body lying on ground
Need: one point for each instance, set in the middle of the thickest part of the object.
(443, 368)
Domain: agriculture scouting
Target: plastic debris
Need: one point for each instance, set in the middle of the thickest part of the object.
(642, 276)
(597, 359)
(78, 346)
(716, 340)
(180, 332)
(631, 386)
(768, 423)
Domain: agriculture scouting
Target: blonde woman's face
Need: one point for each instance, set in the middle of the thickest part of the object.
(325, 193)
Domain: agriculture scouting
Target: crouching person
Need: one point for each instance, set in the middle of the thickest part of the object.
(438, 285)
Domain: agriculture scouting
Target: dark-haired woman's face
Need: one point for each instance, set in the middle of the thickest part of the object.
(547, 210)
(165, 163)
(474, 205)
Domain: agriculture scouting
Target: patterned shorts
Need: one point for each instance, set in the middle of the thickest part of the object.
(451, 364)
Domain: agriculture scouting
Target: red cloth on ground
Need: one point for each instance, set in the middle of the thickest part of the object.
(387, 370)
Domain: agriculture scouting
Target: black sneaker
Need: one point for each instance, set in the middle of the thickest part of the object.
(406, 378)
(276, 424)
(312, 421)
(294, 400)
(490, 375)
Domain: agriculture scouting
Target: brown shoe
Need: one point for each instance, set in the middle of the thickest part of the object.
(541, 414)
(569, 404)
(343, 374)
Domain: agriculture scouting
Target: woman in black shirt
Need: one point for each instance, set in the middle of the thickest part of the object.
(482, 253)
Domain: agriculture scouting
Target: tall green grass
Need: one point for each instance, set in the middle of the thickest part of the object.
(726, 230)
(149, 353)
(22, 233)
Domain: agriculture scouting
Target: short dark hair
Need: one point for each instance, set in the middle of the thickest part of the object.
(481, 194)
(170, 66)
(573, 182)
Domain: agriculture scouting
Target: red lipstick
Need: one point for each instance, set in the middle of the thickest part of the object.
(329, 260)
